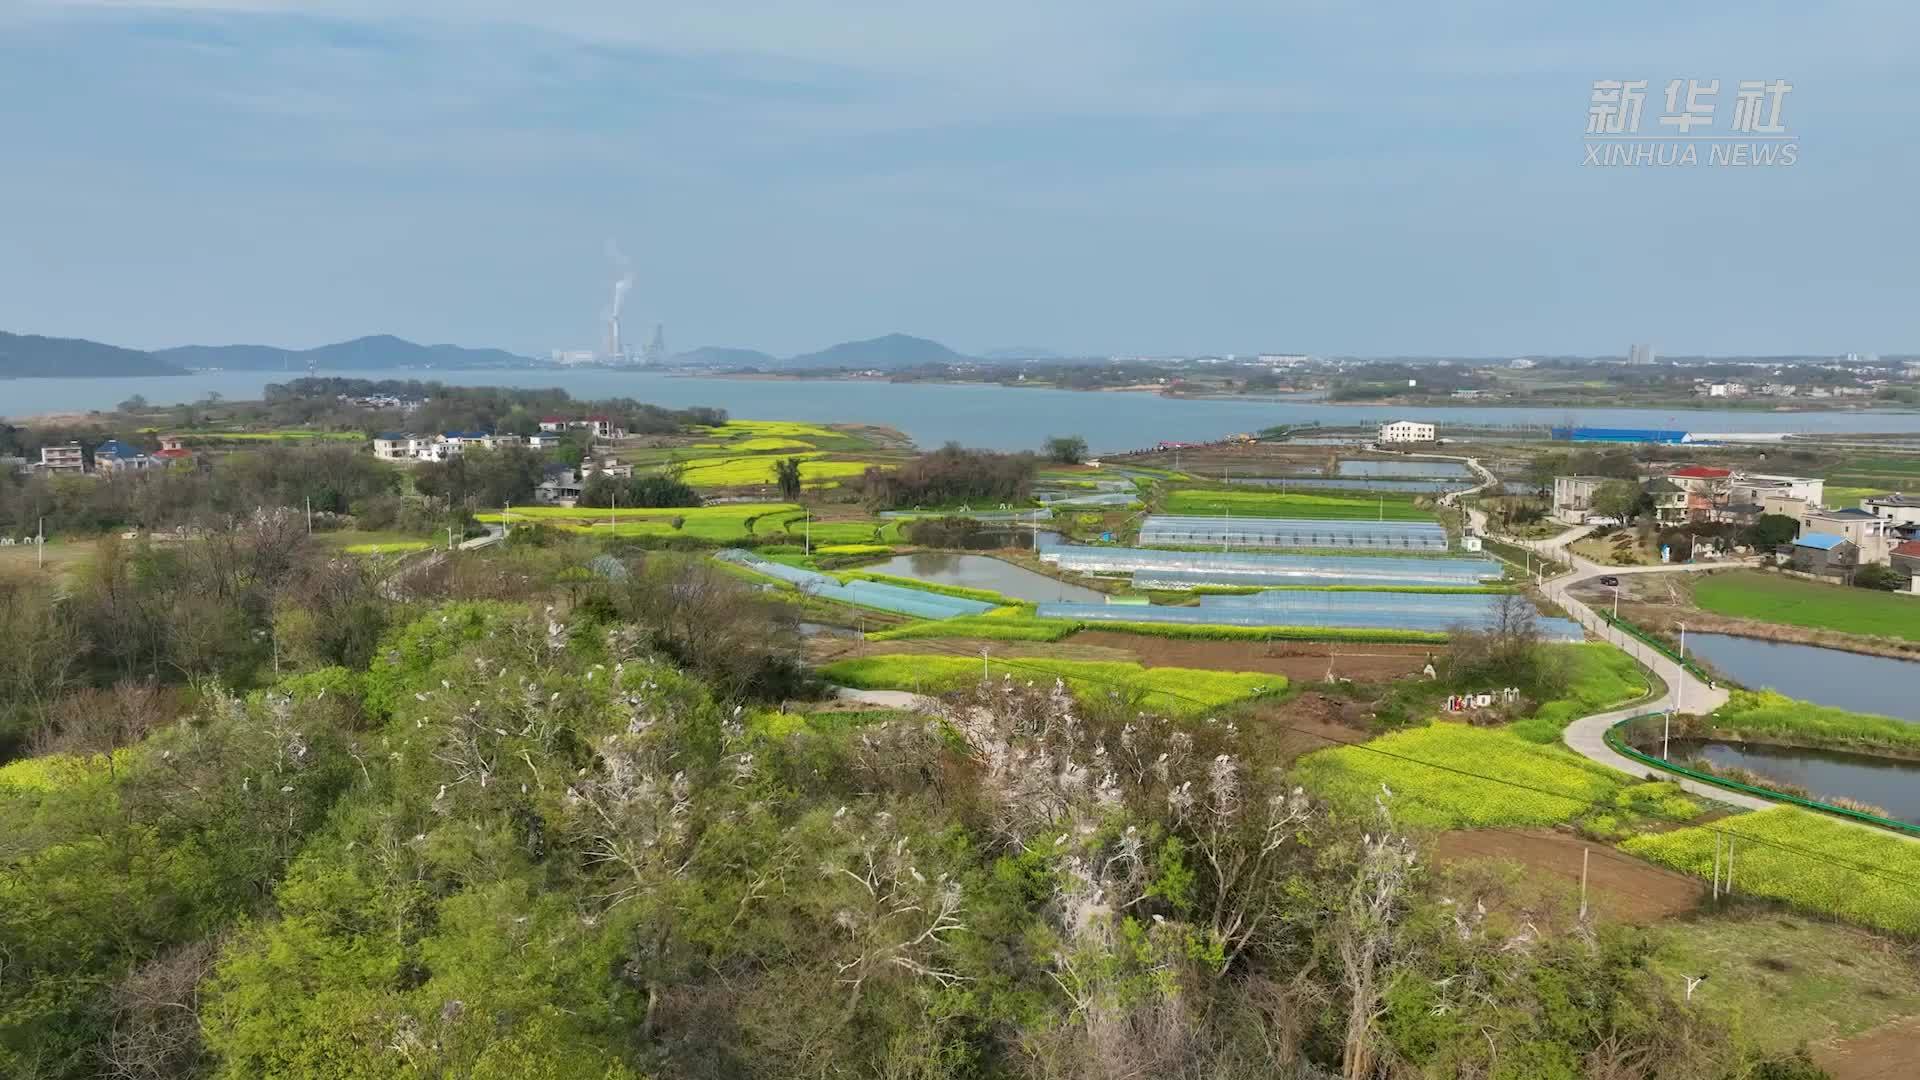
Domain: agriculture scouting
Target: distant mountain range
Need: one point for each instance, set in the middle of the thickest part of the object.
(30, 356)
(361, 354)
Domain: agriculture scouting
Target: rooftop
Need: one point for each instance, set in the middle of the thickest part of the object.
(1894, 498)
(1910, 549)
(1820, 541)
(1701, 472)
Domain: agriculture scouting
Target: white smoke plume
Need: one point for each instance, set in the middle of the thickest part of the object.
(623, 283)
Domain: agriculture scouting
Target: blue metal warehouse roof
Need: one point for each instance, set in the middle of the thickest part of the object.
(1820, 541)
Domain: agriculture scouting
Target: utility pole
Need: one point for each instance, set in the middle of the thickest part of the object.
(806, 547)
(506, 520)
(309, 515)
(1716, 867)
(1616, 603)
(983, 663)
(1730, 843)
(1585, 855)
(1683, 643)
(40, 547)
(1666, 735)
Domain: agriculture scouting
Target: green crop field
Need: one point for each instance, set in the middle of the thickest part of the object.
(1173, 690)
(1597, 677)
(1773, 598)
(1290, 504)
(734, 521)
(758, 469)
(1808, 860)
(1424, 768)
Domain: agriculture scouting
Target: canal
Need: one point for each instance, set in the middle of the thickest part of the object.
(1845, 680)
(1884, 782)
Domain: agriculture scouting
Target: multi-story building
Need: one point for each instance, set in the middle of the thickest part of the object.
(1573, 496)
(1901, 510)
(1669, 501)
(65, 458)
(1407, 431)
(1872, 537)
(115, 456)
(1758, 487)
(397, 446)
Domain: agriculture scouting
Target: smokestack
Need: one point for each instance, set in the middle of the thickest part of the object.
(620, 286)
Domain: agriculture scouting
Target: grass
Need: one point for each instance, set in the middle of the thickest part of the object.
(63, 556)
(1168, 689)
(1774, 598)
(1597, 676)
(1768, 717)
(988, 627)
(1785, 982)
(1289, 504)
(1425, 767)
(388, 547)
(1806, 859)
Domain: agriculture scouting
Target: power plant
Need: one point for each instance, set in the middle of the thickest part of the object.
(613, 349)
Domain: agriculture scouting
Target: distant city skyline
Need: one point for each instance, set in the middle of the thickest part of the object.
(1089, 178)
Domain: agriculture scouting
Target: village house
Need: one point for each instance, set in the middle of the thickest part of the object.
(115, 456)
(1825, 554)
(68, 457)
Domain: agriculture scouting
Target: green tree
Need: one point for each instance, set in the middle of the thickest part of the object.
(1066, 449)
(1771, 531)
(1618, 499)
(786, 473)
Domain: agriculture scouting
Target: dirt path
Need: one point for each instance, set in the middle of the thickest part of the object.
(1884, 1053)
(1619, 886)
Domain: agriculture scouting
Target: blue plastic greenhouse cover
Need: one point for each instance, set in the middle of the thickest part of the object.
(872, 594)
(1254, 615)
(1184, 569)
(1166, 530)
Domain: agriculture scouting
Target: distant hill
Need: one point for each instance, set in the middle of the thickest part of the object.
(721, 356)
(374, 353)
(28, 356)
(891, 351)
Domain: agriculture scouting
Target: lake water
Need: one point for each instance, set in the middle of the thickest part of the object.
(984, 572)
(1882, 782)
(988, 416)
(1869, 684)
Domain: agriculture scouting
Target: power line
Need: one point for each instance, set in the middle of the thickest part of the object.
(1809, 853)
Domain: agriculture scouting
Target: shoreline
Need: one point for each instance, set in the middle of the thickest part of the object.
(1317, 397)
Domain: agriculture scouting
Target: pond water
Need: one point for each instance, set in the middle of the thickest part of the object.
(984, 415)
(1894, 785)
(1845, 680)
(984, 572)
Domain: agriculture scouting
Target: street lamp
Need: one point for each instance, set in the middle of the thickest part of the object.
(1683, 643)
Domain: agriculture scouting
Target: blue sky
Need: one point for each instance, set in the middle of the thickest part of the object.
(1117, 176)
